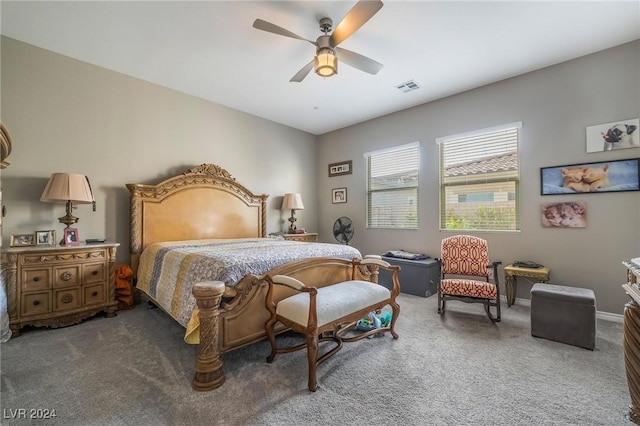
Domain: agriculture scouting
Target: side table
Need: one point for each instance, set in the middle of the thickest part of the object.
(309, 237)
(512, 272)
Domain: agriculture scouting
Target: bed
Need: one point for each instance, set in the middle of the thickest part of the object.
(221, 306)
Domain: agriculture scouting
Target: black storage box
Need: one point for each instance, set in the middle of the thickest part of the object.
(417, 277)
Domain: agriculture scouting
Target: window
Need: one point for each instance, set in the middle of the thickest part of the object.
(392, 187)
(479, 180)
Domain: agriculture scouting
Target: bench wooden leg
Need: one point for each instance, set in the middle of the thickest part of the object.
(271, 335)
(395, 308)
(312, 357)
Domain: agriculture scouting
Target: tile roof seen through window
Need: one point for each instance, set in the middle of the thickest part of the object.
(494, 163)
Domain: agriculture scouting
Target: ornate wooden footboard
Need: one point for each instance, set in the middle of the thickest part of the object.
(228, 325)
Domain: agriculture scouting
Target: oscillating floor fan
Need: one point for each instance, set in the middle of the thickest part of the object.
(343, 230)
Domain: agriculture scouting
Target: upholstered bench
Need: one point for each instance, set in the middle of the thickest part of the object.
(564, 314)
(328, 313)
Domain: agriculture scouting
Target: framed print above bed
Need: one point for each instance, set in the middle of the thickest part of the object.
(604, 176)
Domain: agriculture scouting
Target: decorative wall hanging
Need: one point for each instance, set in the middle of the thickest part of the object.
(342, 168)
(616, 135)
(570, 214)
(604, 176)
(339, 195)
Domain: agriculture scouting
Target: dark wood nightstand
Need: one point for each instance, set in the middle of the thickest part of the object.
(311, 237)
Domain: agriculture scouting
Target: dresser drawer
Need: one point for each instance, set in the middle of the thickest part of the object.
(68, 298)
(93, 272)
(67, 275)
(36, 303)
(94, 294)
(36, 279)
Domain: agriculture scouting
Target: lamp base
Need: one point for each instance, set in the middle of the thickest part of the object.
(69, 219)
(292, 219)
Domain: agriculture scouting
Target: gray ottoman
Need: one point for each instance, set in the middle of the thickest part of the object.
(564, 314)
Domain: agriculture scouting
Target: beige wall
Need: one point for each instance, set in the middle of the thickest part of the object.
(69, 116)
(66, 115)
(555, 105)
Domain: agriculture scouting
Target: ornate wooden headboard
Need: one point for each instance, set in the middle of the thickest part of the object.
(203, 202)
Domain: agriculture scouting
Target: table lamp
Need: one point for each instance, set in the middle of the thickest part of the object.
(68, 188)
(293, 202)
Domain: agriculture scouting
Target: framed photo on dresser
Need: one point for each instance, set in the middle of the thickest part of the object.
(71, 237)
(46, 238)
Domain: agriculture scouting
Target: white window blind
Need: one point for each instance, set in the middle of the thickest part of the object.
(392, 187)
(479, 180)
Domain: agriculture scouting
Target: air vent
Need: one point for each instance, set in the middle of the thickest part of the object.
(408, 86)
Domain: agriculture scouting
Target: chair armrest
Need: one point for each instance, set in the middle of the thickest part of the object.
(374, 261)
(287, 281)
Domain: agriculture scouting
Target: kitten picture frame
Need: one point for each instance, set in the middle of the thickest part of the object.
(567, 214)
(587, 178)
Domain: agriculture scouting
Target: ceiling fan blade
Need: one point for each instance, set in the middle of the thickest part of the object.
(300, 75)
(357, 17)
(358, 61)
(273, 28)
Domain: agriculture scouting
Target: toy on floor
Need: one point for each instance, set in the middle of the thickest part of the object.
(374, 320)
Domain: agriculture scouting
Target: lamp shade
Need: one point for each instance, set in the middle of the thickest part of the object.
(292, 201)
(63, 187)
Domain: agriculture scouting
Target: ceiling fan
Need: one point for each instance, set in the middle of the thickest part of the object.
(325, 63)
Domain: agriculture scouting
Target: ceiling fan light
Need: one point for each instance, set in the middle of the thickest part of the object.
(325, 63)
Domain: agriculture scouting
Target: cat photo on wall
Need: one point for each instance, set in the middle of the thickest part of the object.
(569, 214)
(616, 135)
(589, 178)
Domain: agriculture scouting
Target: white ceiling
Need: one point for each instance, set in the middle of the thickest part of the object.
(209, 49)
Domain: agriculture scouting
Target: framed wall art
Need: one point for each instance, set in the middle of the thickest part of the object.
(339, 195)
(615, 135)
(604, 176)
(569, 214)
(342, 168)
(22, 240)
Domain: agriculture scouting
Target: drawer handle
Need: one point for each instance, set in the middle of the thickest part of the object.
(36, 279)
(94, 294)
(94, 273)
(66, 276)
(36, 302)
(67, 298)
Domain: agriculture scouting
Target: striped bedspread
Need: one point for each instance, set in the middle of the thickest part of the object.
(168, 271)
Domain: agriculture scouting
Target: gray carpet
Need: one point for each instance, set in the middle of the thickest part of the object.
(459, 369)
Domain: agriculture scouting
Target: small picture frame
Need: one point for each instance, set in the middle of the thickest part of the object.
(71, 237)
(566, 214)
(339, 195)
(342, 168)
(46, 238)
(22, 240)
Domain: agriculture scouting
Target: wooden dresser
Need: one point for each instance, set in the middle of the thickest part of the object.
(631, 337)
(308, 237)
(56, 286)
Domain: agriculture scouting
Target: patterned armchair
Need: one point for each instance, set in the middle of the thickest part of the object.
(465, 261)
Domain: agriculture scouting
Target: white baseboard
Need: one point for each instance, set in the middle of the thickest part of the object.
(606, 316)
